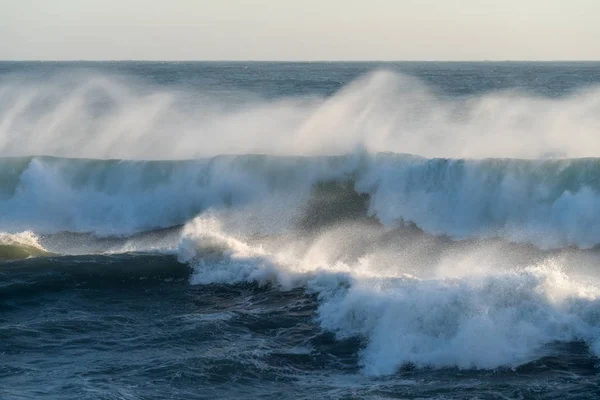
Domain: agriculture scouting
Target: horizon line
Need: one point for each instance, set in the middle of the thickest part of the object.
(300, 61)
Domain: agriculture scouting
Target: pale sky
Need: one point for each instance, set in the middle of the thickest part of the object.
(300, 29)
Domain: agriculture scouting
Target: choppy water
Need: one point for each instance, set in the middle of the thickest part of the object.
(336, 230)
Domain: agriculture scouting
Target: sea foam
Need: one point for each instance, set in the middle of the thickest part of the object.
(480, 310)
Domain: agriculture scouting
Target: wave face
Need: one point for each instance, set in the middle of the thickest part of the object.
(121, 197)
(547, 203)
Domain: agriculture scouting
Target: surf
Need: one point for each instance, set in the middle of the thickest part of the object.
(547, 203)
(414, 301)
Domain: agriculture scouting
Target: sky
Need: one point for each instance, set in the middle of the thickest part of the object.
(300, 30)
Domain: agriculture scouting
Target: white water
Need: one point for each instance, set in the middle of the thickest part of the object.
(26, 238)
(550, 204)
(418, 303)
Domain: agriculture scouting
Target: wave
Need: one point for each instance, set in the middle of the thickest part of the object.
(547, 203)
(412, 299)
(20, 246)
(414, 304)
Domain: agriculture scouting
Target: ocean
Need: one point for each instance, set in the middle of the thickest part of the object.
(202, 230)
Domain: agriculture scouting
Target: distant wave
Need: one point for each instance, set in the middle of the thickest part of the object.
(20, 246)
(548, 203)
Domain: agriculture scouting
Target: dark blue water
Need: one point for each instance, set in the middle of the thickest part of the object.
(358, 276)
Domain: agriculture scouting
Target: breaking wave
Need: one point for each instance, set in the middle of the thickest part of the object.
(414, 303)
(547, 203)
(19, 246)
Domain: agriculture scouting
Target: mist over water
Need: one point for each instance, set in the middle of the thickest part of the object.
(93, 115)
(344, 230)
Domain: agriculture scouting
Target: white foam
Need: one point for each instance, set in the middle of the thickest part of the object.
(520, 201)
(550, 204)
(26, 238)
(491, 314)
(501, 319)
(53, 195)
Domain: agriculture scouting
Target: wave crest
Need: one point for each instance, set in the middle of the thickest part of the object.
(466, 309)
(20, 245)
(548, 203)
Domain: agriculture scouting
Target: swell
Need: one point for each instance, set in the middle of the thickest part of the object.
(548, 203)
